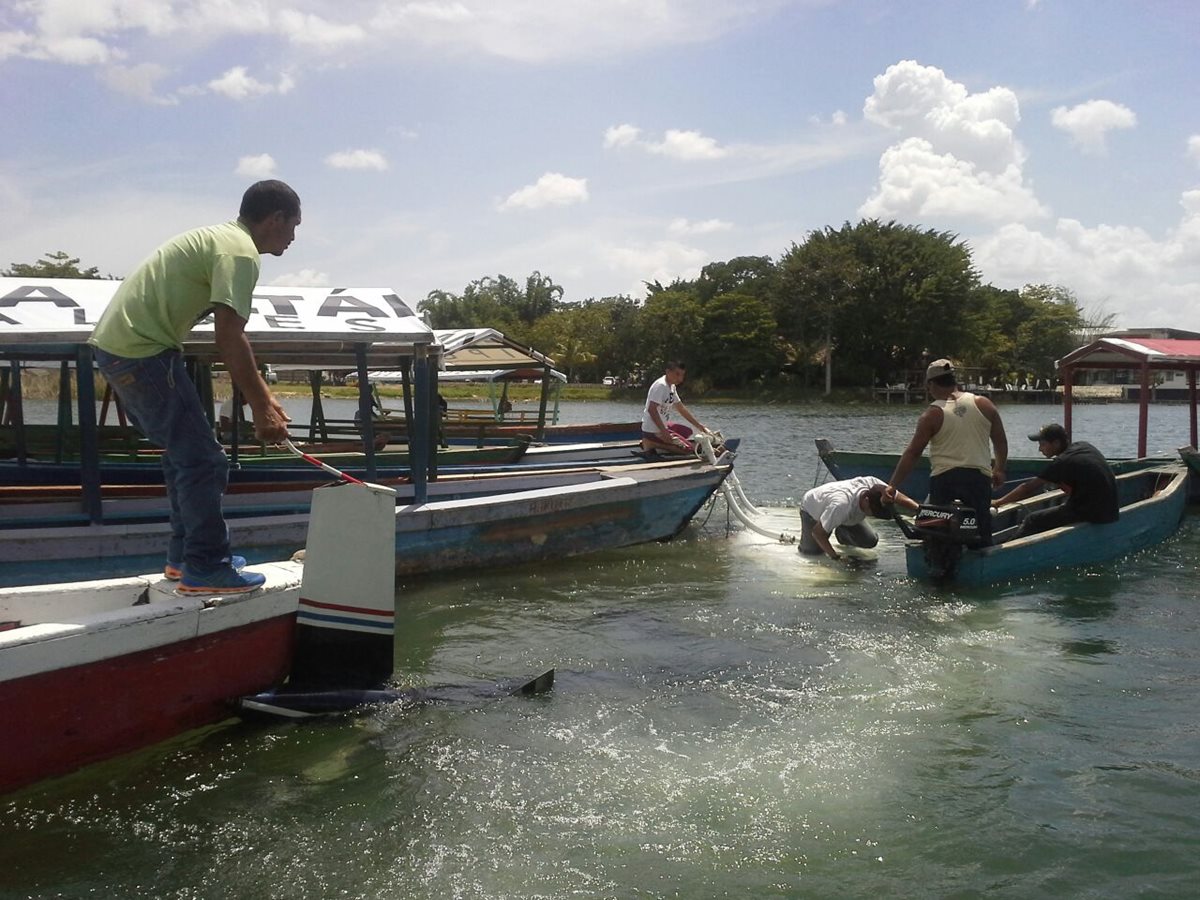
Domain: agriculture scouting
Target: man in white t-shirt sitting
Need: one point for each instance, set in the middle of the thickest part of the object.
(840, 508)
(662, 402)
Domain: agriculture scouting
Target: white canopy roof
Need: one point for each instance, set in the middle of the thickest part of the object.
(463, 375)
(65, 310)
(483, 349)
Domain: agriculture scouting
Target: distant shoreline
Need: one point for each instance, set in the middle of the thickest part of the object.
(44, 386)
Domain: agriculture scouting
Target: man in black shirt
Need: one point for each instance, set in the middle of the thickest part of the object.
(1082, 473)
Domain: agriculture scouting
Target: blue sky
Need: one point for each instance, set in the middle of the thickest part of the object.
(606, 143)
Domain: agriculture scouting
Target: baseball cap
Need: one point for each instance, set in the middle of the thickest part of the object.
(1051, 432)
(939, 367)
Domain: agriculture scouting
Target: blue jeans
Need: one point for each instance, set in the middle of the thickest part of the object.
(860, 535)
(973, 488)
(162, 403)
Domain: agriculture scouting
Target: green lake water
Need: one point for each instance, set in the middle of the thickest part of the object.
(728, 720)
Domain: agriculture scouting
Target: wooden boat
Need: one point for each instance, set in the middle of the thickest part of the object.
(1191, 458)
(485, 357)
(490, 519)
(601, 452)
(119, 444)
(485, 432)
(1152, 505)
(92, 669)
(254, 470)
(43, 483)
(29, 505)
(853, 463)
(481, 520)
(261, 472)
(43, 443)
(46, 441)
(391, 456)
(48, 321)
(50, 493)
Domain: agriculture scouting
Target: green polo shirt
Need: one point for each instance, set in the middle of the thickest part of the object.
(156, 306)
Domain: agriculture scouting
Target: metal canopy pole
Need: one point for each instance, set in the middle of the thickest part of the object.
(1192, 403)
(406, 397)
(89, 450)
(365, 413)
(1144, 408)
(235, 443)
(16, 412)
(435, 409)
(541, 425)
(418, 443)
(5, 395)
(316, 416)
(1065, 373)
(64, 411)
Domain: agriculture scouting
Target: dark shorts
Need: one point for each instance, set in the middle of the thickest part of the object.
(973, 488)
(1049, 519)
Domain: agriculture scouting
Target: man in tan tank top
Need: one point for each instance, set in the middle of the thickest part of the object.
(958, 427)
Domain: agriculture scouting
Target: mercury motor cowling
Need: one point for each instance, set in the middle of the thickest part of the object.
(943, 530)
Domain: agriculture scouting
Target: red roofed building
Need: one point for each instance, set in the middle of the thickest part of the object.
(1145, 359)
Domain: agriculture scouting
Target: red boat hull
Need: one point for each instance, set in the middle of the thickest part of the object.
(60, 720)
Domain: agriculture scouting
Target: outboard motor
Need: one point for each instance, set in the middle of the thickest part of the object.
(943, 530)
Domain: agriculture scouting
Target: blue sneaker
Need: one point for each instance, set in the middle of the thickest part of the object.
(174, 570)
(223, 580)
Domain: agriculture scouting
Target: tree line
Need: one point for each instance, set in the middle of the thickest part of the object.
(864, 304)
(869, 303)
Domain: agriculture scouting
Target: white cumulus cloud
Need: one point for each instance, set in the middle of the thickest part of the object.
(661, 261)
(708, 226)
(676, 143)
(260, 166)
(956, 153)
(1193, 148)
(15, 43)
(552, 189)
(138, 81)
(687, 145)
(303, 278)
(1089, 123)
(314, 31)
(956, 162)
(238, 84)
(537, 31)
(91, 32)
(621, 136)
(357, 159)
(1142, 280)
(921, 101)
(75, 51)
(916, 182)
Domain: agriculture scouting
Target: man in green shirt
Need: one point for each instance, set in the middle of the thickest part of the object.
(139, 344)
